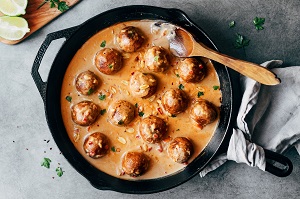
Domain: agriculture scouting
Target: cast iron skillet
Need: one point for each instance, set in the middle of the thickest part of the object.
(50, 92)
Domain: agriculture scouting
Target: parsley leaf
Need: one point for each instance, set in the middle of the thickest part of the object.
(121, 122)
(231, 24)
(177, 75)
(103, 44)
(69, 98)
(59, 171)
(46, 163)
(141, 114)
(102, 97)
(113, 149)
(156, 58)
(241, 41)
(216, 87)
(181, 87)
(136, 105)
(90, 91)
(200, 93)
(103, 111)
(62, 6)
(258, 22)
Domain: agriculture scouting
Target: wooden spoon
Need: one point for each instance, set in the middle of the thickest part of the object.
(184, 45)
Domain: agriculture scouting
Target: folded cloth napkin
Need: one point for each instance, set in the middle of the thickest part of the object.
(268, 117)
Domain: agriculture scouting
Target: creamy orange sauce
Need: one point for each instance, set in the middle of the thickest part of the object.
(116, 87)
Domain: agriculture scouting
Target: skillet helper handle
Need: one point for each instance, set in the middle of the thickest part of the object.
(40, 84)
(278, 158)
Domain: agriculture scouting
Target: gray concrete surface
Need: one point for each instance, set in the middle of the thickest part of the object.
(24, 127)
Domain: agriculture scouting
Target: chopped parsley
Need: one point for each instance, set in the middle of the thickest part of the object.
(156, 58)
(177, 75)
(103, 44)
(103, 111)
(181, 87)
(216, 87)
(46, 163)
(258, 23)
(61, 5)
(69, 98)
(110, 66)
(59, 171)
(200, 93)
(136, 105)
(141, 114)
(231, 24)
(241, 41)
(121, 122)
(90, 91)
(102, 97)
(113, 149)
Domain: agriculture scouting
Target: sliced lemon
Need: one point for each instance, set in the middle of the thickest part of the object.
(13, 28)
(13, 7)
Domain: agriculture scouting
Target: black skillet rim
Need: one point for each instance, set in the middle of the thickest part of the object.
(99, 179)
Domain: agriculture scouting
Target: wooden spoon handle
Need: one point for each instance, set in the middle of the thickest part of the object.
(254, 71)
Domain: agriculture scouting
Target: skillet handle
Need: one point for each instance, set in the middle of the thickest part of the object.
(278, 158)
(40, 84)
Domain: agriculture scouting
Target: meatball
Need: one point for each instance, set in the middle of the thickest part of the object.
(152, 129)
(85, 113)
(86, 82)
(130, 39)
(142, 85)
(135, 163)
(203, 113)
(191, 70)
(108, 61)
(121, 113)
(180, 150)
(174, 101)
(96, 145)
(156, 59)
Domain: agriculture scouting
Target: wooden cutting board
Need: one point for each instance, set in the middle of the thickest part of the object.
(37, 18)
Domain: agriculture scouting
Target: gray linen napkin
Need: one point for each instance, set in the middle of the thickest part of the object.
(269, 117)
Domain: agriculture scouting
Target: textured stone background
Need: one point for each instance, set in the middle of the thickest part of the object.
(24, 127)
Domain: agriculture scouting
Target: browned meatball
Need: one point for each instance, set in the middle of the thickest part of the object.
(156, 59)
(135, 163)
(180, 150)
(130, 39)
(191, 70)
(174, 101)
(86, 82)
(152, 129)
(203, 113)
(85, 113)
(96, 145)
(142, 85)
(121, 113)
(108, 61)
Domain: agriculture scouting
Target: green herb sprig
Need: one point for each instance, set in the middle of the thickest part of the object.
(46, 163)
(241, 41)
(231, 24)
(59, 171)
(258, 23)
(61, 5)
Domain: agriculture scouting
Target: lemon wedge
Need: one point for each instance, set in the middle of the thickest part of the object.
(13, 28)
(13, 7)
